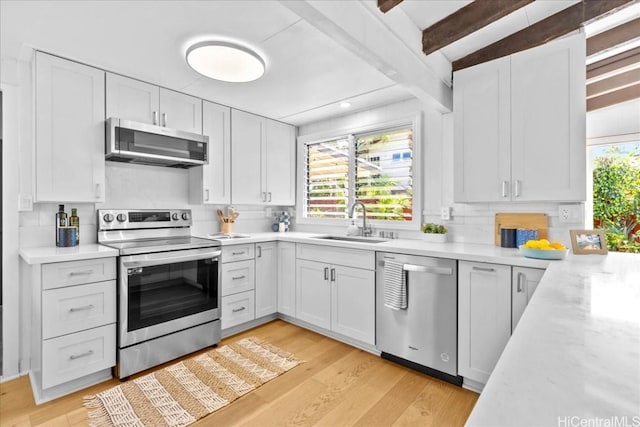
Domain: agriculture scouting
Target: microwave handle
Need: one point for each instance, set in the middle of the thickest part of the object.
(170, 259)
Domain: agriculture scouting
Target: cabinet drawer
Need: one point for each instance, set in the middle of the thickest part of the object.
(237, 309)
(57, 275)
(73, 356)
(237, 253)
(238, 277)
(76, 308)
(339, 256)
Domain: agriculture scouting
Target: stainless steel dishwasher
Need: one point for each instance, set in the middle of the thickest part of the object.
(424, 335)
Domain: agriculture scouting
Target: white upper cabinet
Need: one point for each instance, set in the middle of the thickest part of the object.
(548, 122)
(138, 101)
(246, 158)
(519, 126)
(211, 183)
(263, 167)
(280, 163)
(482, 126)
(70, 137)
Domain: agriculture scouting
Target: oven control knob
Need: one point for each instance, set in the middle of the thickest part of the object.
(121, 217)
(185, 216)
(107, 218)
(174, 216)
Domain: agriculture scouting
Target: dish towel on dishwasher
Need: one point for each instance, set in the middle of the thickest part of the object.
(395, 286)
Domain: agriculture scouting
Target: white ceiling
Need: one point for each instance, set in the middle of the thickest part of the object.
(309, 72)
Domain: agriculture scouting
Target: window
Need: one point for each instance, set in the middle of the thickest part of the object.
(375, 168)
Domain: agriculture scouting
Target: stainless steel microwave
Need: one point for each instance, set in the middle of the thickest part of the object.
(147, 144)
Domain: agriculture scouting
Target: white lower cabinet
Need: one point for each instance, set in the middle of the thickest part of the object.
(238, 308)
(484, 317)
(287, 278)
(73, 338)
(524, 282)
(313, 293)
(491, 300)
(340, 298)
(266, 278)
(238, 285)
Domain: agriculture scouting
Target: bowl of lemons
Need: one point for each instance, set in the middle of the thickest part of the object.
(543, 249)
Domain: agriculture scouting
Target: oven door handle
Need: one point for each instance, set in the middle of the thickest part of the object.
(149, 260)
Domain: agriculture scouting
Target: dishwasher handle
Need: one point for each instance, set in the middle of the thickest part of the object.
(445, 271)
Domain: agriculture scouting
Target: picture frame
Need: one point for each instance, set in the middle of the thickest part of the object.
(588, 242)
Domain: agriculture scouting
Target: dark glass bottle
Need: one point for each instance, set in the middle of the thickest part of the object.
(61, 221)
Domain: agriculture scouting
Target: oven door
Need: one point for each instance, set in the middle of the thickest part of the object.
(165, 292)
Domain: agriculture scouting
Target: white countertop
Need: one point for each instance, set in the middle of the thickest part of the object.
(459, 251)
(575, 354)
(53, 254)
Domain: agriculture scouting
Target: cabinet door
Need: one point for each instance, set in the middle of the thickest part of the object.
(180, 111)
(266, 278)
(313, 293)
(132, 99)
(287, 278)
(211, 183)
(246, 158)
(548, 122)
(481, 109)
(353, 303)
(70, 114)
(484, 315)
(524, 282)
(279, 164)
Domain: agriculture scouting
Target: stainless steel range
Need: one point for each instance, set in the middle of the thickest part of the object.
(168, 286)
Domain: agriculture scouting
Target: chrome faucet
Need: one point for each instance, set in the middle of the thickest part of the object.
(366, 230)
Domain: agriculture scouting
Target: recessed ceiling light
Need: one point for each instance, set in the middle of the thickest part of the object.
(345, 104)
(225, 61)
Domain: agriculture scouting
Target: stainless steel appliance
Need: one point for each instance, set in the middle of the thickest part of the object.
(147, 144)
(424, 335)
(169, 286)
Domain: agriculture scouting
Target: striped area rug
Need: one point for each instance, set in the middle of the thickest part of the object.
(191, 389)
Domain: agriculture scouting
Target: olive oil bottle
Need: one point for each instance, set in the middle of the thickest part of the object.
(61, 221)
(74, 221)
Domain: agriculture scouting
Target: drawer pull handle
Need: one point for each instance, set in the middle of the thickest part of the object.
(237, 253)
(78, 356)
(83, 308)
(238, 277)
(81, 273)
(487, 269)
(235, 310)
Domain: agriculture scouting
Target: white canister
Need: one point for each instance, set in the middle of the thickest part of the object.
(281, 227)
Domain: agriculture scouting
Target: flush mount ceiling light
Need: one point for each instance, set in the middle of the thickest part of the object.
(225, 61)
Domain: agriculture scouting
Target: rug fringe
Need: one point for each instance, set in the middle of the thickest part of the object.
(98, 415)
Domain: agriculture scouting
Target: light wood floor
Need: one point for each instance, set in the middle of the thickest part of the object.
(338, 385)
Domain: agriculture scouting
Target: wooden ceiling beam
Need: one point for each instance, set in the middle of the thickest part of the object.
(613, 37)
(620, 63)
(465, 21)
(386, 5)
(613, 83)
(613, 98)
(563, 22)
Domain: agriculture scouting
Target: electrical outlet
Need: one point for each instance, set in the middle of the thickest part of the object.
(268, 213)
(25, 202)
(570, 214)
(445, 213)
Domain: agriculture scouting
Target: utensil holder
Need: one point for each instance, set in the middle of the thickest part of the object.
(226, 227)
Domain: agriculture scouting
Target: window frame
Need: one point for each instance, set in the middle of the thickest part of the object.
(412, 121)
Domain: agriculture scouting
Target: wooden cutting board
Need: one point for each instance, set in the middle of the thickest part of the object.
(539, 221)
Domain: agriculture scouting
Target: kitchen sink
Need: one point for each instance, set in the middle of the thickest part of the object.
(352, 239)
